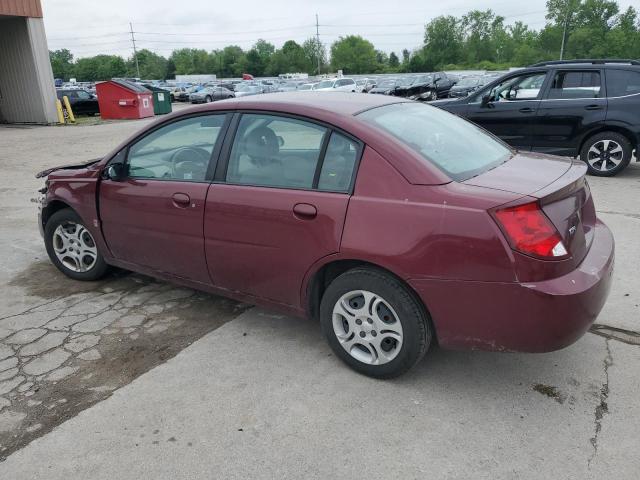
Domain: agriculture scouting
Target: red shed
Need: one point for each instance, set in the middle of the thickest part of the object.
(123, 99)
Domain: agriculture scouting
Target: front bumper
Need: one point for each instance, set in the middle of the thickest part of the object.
(523, 317)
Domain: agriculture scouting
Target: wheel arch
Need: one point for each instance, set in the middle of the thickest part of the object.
(53, 207)
(625, 132)
(320, 279)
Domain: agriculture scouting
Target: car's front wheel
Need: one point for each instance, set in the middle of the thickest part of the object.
(606, 154)
(434, 95)
(374, 323)
(72, 248)
(208, 99)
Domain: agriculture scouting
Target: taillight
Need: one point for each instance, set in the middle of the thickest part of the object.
(530, 231)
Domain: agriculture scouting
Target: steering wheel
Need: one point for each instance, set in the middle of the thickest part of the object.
(189, 163)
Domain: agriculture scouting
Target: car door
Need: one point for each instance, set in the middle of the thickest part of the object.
(573, 105)
(278, 204)
(153, 215)
(509, 109)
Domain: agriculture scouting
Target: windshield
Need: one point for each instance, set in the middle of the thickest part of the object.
(406, 81)
(424, 79)
(325, 84)
(457, 147)
(469, 82)
(387, 83)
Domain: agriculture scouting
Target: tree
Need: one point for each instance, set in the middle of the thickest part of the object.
(258, 57)
(353, 54)
(313, 51)
(100, 67)
(151, 65)
(443, 41)
(289, 59)
(394, 61)
(61, 63)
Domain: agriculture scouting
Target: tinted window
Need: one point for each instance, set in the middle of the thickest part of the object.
(456, 146)
(83, 95)
(523, 87)
(575, 84)
(275, 151)
(622, 82)
(178, 151)
(338, 165)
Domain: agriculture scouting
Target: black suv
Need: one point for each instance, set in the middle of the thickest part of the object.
(586, 108)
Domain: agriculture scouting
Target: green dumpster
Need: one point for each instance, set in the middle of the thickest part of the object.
(161, 99)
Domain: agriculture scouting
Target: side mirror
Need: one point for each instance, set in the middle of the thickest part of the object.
(114, 171)
(280, 141)
(486, 101)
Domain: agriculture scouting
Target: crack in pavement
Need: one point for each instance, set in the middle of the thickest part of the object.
(624, 214)
(603, 407)
(614, 333)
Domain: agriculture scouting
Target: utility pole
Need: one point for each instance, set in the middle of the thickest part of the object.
(319, 50)
(564, 31)
(135, 52)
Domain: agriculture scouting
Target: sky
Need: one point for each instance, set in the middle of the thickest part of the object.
(91, 27)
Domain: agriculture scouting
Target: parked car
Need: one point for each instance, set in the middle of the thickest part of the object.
(385, 86)
(307, 86)
(585, 108)
(246, 90)
(465, 86)
(210, 94)
(337, 84)
(182, 94)
(288, 87)
(392, 222)
(427, 87)
(81, 101)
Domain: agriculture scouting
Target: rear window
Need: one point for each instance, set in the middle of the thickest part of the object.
(457, 147)
(622, 82)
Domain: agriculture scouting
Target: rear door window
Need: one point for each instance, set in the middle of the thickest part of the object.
(622, 82)
(274, 151)
(575, 84)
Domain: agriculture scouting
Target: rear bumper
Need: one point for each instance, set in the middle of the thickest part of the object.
(523, 317)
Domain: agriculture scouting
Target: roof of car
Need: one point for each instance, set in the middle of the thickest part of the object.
(344, 103)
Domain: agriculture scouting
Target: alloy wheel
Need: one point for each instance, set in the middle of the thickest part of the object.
(367, 327)
(434, 95)
(74, 247)
(605, 155)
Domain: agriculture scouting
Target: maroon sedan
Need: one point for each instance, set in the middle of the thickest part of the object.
(394, 223)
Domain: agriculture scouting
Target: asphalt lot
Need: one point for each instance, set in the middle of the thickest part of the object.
(134, 378)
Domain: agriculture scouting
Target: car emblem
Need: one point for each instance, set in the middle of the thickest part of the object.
(572, 230)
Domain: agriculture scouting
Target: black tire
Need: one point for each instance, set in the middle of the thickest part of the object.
(595, 162)
(416, 327)
(66, 216)
(208, 99)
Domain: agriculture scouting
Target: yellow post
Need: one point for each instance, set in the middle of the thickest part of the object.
(60, 114)
(65, 99)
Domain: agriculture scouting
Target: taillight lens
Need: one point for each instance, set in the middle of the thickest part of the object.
(530, 231)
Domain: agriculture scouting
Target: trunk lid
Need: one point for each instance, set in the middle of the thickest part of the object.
(559, 185)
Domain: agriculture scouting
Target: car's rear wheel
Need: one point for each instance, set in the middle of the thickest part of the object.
(72, 248)
(374, 323)
(606, 154)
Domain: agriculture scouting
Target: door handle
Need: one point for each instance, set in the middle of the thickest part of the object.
(526, 110)
(305, 211)
(181, 200)
(593, 107)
